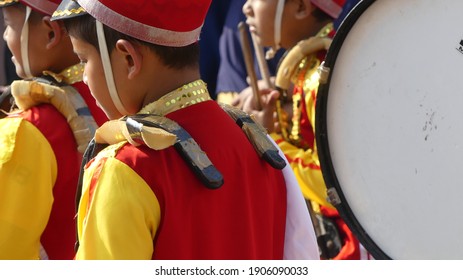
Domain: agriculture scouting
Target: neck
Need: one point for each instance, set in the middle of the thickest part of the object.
(168, 80)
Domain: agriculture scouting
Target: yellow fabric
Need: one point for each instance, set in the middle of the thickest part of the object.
(226, 97)
(28, 171)
(31, 93)
(115, 131)
(121, 218)
(302, 162)
(305, 163)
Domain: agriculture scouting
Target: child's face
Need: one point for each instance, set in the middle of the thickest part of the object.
(94, 76)
(14, 20)
(260, 16)
(295, 21)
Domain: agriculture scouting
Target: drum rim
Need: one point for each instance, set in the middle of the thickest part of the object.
(326, 164)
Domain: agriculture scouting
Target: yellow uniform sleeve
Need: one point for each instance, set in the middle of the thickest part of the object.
(28, 171)
(118, 214)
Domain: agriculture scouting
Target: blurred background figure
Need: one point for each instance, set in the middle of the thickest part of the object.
(221, 58)
(232, 75)
(305, 29)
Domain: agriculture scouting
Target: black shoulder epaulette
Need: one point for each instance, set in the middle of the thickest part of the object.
(257, 135)
(190, 151)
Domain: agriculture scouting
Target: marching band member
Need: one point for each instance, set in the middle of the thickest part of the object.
(159, 183)
(304, 28)
(42, 139)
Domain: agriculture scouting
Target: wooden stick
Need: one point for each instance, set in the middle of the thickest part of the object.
(261, 61)
(247, 53)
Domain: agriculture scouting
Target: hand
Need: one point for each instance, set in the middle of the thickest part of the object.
(246, 93)
(266, 115)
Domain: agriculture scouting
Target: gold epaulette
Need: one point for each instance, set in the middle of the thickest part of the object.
(115, 131)
(28, 94)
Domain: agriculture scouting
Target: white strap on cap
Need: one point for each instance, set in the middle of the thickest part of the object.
(108, 70)
(25, 44)
(277, 32)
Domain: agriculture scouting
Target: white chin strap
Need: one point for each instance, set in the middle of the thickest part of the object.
(25, 44)
(278, 18)
(108, 70)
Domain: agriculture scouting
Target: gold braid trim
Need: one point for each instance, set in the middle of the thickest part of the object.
(63, 13)
(70, 75)
(187, 95)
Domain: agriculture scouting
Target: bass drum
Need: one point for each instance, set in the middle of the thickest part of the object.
(389, 127)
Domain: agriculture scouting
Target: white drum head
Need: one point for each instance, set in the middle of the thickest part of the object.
(390, 126)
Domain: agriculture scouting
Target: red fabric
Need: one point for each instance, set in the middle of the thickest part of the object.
(331, 7)
(244, 219)
(98, 114)
(44, 6)
(340, 2)
(306, 130)
(174, 15)
(95, 177)
(59, 236)
(351, 246)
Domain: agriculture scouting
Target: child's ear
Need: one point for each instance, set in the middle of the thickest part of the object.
(132, 56)
(54, 32)
(304, 9)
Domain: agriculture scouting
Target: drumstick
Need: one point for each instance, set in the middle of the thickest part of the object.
(263, 66)
(247, 53)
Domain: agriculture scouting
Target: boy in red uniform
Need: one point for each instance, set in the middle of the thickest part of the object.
(300, 25)
(167, 186)
(43, 138)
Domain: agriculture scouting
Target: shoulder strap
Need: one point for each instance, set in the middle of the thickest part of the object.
(190, 151)
(257, 135)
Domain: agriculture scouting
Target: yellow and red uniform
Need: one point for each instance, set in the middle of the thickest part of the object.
(39, 170)
(304, 158)
(140, 203)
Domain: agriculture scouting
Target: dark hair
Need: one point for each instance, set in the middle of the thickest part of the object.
(84, 28)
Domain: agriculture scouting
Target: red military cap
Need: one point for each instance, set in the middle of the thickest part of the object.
(175, 23)
(43, 6)
(332, 7)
